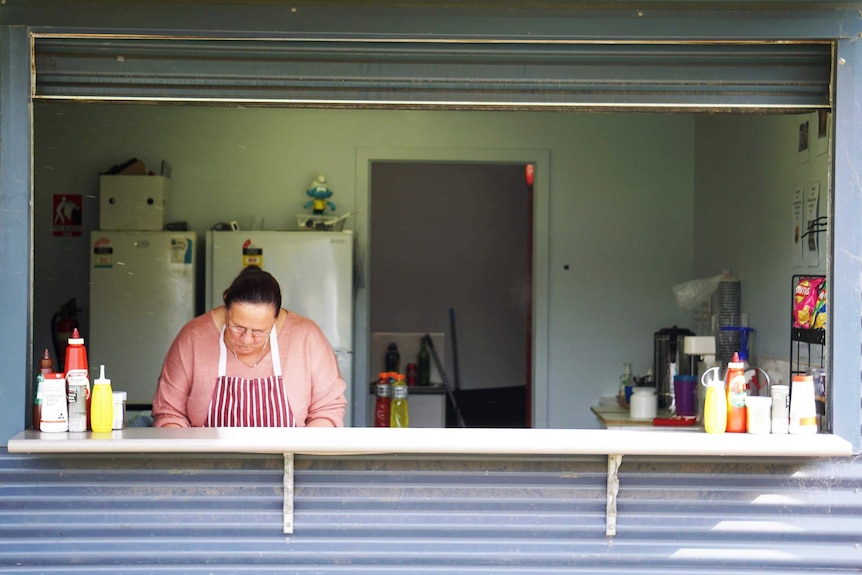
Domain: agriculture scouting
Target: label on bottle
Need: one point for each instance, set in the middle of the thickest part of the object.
(54, 409)
(382, 412)
(736, 399)
(736, 390)
(77, 389)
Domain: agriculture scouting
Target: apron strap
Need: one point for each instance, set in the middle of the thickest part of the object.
(222, 355)
(273, 350)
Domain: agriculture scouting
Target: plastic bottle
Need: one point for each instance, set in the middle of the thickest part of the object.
(46, 366)
(119, 399)
(393, 358)
(626, 379)
(77, 383)
(736, 387)
(400, 412)
(383, 405)
(423, 362)
(102, 404)
(715, 403)
(803, 412)
(649, 378)
(54, 416)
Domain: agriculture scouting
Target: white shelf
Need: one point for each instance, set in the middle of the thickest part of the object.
(370, 440)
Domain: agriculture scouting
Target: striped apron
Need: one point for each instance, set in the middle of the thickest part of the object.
(240, 402)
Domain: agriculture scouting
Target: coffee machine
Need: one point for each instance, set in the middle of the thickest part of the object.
(670, 359)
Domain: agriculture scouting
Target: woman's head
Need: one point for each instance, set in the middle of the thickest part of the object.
(254, 286)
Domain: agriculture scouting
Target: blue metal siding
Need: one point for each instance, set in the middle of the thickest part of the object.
(16, 244)
(426, 515)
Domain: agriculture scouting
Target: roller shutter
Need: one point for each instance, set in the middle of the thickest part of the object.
(451, 74)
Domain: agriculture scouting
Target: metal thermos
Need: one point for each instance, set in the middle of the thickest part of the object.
(668, 355)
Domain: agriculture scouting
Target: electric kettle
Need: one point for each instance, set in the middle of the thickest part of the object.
(669, 360)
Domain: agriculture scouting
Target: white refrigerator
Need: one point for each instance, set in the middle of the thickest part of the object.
(314, 270)
(142, 292)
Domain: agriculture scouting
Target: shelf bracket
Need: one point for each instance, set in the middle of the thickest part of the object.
(614, 462)
(288, 493)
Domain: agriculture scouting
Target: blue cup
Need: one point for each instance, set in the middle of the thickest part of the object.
(629, 393)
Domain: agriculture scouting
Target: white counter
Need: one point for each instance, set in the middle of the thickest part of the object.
(370, 440)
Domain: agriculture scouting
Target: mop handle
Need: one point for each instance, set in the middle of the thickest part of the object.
(445, 379)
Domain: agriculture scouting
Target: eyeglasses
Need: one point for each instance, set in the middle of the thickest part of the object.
(240, 331)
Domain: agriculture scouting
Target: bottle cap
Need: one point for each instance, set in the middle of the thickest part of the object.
(735, 363)
(76, 338)
(46, 362)
(101, 380)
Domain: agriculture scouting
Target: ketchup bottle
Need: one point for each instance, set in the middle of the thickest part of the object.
(77, 383)
(736, 392)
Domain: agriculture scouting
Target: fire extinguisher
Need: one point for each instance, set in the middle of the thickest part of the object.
(63, 323)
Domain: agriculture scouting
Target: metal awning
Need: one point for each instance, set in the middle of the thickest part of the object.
(439, 73)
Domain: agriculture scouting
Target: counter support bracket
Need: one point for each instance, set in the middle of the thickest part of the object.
(614, 462)
(288, 493)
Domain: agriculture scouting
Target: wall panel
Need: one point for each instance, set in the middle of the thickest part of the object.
(426, 515)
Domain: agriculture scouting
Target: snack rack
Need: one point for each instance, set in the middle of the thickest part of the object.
(807, 343)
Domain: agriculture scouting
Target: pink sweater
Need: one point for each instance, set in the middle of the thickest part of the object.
(315, 389)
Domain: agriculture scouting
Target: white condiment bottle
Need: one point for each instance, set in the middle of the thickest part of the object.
(55, 409)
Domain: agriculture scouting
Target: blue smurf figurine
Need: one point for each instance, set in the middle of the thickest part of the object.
(320, 194)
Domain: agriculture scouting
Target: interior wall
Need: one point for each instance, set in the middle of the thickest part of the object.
(454, 236)
(621, 205)
(748, 169)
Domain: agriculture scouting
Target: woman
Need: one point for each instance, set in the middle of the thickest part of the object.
(250, 363)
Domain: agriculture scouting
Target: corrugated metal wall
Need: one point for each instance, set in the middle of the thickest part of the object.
(426, 515)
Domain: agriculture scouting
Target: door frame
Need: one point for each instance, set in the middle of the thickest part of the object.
(540, 259)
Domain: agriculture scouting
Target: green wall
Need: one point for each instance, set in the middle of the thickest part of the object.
(747, 171)
(621, 225)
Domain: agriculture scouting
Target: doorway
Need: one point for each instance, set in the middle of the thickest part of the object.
(451, 247)
(536, 217)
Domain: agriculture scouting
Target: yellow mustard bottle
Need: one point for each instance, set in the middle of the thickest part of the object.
(102, 404)
(715, 403)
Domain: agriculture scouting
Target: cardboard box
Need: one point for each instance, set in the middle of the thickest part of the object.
(133, 202)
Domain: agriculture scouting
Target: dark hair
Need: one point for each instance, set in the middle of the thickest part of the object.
(253, 285)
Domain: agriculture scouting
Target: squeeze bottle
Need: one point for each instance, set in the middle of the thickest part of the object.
(736, 410)
(77, 383)
(102, 404)
(626, 378)
(46, 366)
(715, 403)
(54, 414)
